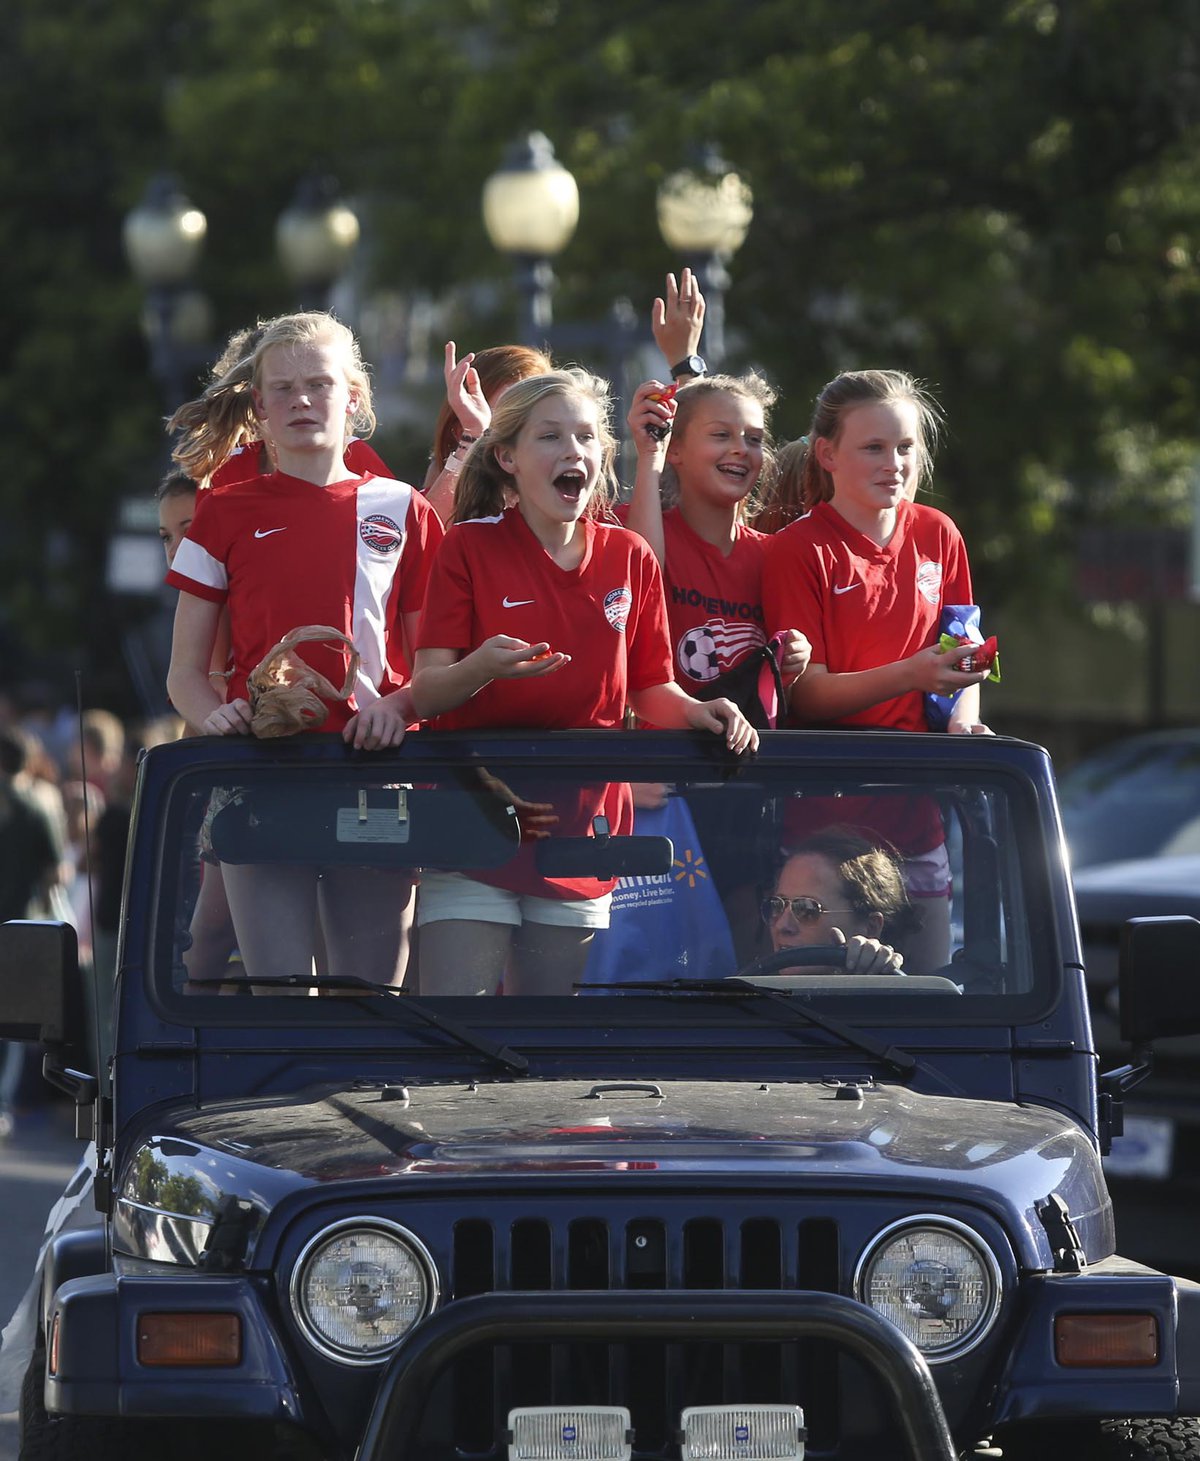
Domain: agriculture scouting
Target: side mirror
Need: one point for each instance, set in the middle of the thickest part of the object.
(1159, 977)
(41, 998)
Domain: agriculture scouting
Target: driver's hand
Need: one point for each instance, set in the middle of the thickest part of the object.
(868, 955)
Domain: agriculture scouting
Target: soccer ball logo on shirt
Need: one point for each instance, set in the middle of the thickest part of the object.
(929, 582)
(617, 604)
(380, 533)
(706, 650)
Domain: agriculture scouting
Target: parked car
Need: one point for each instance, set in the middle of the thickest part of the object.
(1154, 1167)
(775, 1210)
(1139, 797)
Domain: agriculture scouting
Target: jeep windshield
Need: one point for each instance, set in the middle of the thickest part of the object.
(883, 877)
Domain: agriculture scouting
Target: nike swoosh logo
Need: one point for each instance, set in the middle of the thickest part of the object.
(515, 603)
(266, 532)
(846, 589)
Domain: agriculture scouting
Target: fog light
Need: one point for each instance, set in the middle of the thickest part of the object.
(189, 1339)
(1106, 1341)
(743, 1433)
(569, 1433)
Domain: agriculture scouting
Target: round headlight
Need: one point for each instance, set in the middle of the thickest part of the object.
(936, 1281)
(358, 1288)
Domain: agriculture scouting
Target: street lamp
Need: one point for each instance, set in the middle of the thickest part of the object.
(315, 237)
(163, 237)
(704, 213)
(530, 210)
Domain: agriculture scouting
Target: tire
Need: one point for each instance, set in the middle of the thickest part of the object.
(1177, 1438)
(46, 1437)
(1170, 1438)
(68, 1437)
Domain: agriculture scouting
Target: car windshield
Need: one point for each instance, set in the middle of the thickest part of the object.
(910, 890)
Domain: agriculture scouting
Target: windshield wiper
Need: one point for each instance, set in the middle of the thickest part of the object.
(801, 1013)
(502, 1054)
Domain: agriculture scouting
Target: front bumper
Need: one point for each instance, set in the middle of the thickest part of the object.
(99, 1374)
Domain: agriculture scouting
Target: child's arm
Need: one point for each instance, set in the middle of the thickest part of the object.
(474, 415)
(188, 683)
(820, 695)
(646, 418)
(964, 718)
(673, 709)
(444, 679)
(677, 319)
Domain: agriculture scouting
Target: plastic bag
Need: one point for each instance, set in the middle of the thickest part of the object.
(960, 625)
(669, 927)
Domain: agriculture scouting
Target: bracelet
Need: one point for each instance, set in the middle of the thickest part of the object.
(465, 439)
(453, 465)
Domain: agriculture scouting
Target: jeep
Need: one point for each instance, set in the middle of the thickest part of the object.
(709, 1199)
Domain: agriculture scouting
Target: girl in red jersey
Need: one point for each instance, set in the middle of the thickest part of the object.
(705, 450)
(541, 616)
(303, 545)
(865, 572)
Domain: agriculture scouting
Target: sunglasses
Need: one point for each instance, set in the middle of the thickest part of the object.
(802, 909)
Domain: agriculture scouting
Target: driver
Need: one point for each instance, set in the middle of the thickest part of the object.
(838, 888)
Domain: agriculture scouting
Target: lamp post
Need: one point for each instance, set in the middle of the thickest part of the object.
(163, 236)
(530, 210)
(704, 213)
(315, 238)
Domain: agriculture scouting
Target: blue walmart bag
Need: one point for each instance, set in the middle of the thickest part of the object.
(668, 927)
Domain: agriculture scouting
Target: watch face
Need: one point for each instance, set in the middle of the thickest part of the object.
(693, 365)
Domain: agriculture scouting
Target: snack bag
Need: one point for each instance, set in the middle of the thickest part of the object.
(960, 625)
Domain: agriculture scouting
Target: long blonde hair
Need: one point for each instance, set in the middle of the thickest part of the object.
(222, 418)
(485, 488)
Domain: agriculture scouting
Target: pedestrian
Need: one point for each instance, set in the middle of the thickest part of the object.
(31, 856)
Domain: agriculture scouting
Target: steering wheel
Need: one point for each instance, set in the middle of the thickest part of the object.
(823, 956)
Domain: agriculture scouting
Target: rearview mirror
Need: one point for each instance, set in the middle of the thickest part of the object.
(604, 857)
(41, 998)
(1159, 975)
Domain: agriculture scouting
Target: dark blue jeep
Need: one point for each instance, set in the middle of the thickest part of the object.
(713, 1195)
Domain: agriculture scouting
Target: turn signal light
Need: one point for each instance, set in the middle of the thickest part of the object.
(189, 1339)
(1106, 1341)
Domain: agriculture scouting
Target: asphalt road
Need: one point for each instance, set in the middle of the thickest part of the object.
(35, 1165)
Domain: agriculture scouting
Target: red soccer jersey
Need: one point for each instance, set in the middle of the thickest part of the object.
(492, 576)
(862, 605)
(283, 552)
(251, 460)
(714, 600)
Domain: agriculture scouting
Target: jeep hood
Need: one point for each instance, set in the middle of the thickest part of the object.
(872, 1138)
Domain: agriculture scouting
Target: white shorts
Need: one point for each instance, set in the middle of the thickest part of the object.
(445, 896)
(928, 875)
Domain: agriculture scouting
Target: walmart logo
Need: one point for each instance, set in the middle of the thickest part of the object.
(690, 866)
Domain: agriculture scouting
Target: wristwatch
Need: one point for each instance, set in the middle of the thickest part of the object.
(690, 365)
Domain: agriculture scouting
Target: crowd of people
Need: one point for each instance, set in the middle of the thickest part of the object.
(521, 586)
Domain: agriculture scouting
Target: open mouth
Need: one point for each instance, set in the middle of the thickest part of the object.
(571, 485)
(736, 471)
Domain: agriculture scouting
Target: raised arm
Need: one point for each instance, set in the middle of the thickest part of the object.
(647, 418)
(474, 416)
(677, 319)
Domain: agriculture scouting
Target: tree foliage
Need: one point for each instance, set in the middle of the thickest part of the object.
(1002, 196)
